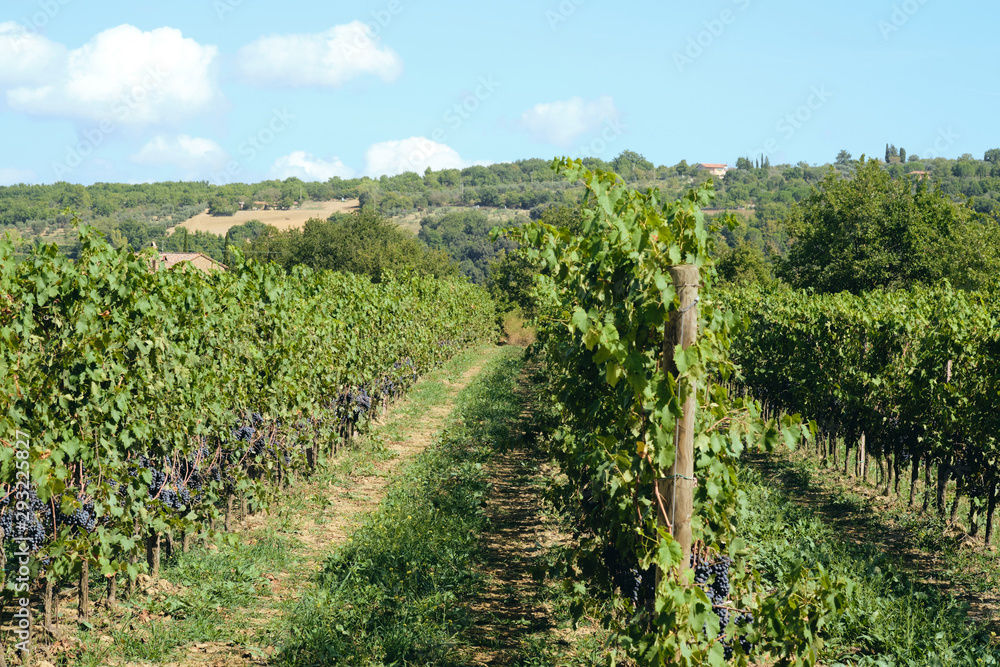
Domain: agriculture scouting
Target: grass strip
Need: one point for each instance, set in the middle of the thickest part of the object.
(396, 592)
(891, 620)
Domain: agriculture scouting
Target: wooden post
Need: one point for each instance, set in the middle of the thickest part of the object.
(677, 490)
(83, 608)
(112, 592)
(153, 554)
(50, 619)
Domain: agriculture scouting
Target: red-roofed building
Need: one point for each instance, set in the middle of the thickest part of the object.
(718, 170)
(168, 260)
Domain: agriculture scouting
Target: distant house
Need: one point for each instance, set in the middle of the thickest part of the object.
(920, 174)
(718, 170)
(168, 260)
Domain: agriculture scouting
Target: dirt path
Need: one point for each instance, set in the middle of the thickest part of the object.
(512, 608)
(344, 504)
(507, 608)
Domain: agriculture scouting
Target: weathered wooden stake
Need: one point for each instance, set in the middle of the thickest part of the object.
(49, 620)
(153, 555)
(83, 609)
(677, 490)
(130, 586)
(862, 460)
(112, 592)
(914, 477)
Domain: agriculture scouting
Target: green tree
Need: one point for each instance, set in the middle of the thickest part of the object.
(364, 242)
(631, 165)
(843, 158)
(510, 281)
(873, 231)
(219, 205)
(465, 237)
(964, 169)
(902, 155)
(992, 156)
(745, 264)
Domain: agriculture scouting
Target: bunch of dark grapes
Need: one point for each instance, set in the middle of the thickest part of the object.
(244, 433)
(83, 519)
(159, 479)
(713, 577)
(362, 400)
(24, 526)
(636, 585)
(386, 386)
(743, 621)
(408, 364)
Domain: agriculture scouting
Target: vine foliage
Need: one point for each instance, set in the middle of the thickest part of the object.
(605, 295)
(147, 400)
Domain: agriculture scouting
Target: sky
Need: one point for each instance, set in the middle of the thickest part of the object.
(243, 90)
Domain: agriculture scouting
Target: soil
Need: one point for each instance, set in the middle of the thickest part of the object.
(290, 219)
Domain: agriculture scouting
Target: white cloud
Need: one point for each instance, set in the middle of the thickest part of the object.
(413, 154)
(309, 168)
(11, 176)
(124, 75)
(26, 57)
(563, 122)
(329, 58)
(194, 154)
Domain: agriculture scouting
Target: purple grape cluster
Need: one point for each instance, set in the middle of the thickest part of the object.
(24, 526)
(84, 519)
(713, 576)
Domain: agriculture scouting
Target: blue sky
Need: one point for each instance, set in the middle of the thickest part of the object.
(242, 90)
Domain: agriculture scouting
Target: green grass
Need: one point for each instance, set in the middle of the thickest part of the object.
(891, 620)
(974, 570)
(394, 594)
(216, 586)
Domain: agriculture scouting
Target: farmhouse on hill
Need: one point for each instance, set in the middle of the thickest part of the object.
(718, 170)
(201, 261)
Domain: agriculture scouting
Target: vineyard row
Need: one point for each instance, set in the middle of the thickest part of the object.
(138, 404)
(910, 380)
